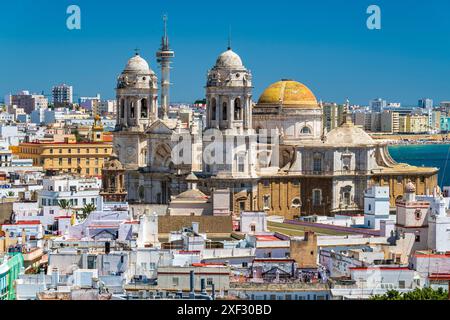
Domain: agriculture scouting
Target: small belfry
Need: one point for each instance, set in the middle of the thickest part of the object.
(97, 130)
(113, 180)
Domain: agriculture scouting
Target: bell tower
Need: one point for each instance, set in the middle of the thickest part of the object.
(137, 101)
(228, 110)
(113, 183)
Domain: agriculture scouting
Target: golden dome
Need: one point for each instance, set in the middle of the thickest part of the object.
(288, 94)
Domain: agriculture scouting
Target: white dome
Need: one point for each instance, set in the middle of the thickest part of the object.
(138, 65)
(229, 59)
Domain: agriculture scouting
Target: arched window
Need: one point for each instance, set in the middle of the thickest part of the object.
(131, 109)
(305, 130)
(144, 108)
(122, 108)
(213, 109)
(224, 111)
(240, 163)
(237, 109)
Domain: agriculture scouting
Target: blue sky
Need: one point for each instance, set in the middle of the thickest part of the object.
(324, 44)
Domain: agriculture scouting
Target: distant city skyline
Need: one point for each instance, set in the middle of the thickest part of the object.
(326, 46)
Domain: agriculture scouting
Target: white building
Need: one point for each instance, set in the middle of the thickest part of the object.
(438, 222)
(412, 217)
(376, 206)
(253, 222)
(78, 191)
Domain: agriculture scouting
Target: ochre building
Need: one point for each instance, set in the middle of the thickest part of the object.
(70, 156)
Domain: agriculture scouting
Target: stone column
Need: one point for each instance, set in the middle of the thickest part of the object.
(125, 111)
(230, 112)
(218, 108)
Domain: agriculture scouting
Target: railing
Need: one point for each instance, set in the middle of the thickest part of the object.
(335, 172)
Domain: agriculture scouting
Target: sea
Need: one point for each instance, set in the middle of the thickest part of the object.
(427, 155)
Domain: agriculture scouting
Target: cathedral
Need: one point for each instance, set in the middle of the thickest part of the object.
(272, 155)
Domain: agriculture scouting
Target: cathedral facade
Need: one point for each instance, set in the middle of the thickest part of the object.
(273, 155)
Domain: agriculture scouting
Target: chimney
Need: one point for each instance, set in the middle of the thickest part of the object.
(213, 291)
(55, 277)
(191, 285)
(203, 286)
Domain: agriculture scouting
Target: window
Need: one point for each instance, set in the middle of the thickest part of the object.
(417, 238)
(175, 281)
(213, 109)
(317, 164)
(144, 108)
(296, 203)
(305, 130)
(266, 183)
(144, 266)
(266, 200)
(131, 109)
(418, 214)
(87, 171)
(224, 111)
(242, 206)
(122, 109)
(399, 179)
(244, 264)
(209, 281)
(241, 163)
(252, 228)
(296, 183)
(317, 197)
(237, 109)
(347, 196)
(401, 284)
(91, 262)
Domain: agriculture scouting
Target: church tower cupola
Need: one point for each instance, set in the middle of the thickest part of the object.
(229, 93)
(137, 95)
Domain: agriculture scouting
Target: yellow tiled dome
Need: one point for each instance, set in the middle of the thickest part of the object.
(288, 94)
